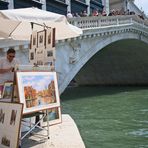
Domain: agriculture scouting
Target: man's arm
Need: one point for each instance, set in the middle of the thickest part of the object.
(6, 70)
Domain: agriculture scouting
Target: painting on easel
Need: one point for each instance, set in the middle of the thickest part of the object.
(37, 90)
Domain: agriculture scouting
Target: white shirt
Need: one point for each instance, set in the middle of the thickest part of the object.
(5, 64)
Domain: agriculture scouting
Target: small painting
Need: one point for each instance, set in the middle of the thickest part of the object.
(48, 38)
(31, 55)
(41, 39)
(54, 116)
(1, 90)
(7, 90)
(33, 40)
(49, 55)
(53, 37)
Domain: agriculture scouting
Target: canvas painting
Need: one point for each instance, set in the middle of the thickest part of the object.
(7, 90)
(49, 38)
(10, 120)
(39, 56)
(39, 62)
(41, 39)
(37, 90)
(40, 52)
(49, 55)
(54, 116)
(33, 40)
(32, 56)
(53, 38)
(1, 90)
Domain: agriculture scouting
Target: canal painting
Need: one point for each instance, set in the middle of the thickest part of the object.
(37, 90)
(54, 116)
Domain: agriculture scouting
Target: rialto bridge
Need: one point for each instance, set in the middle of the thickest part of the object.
(99, 33)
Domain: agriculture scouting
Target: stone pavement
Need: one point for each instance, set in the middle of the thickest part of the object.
(64, 135)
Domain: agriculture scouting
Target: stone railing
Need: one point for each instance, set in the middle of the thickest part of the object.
(101, 21)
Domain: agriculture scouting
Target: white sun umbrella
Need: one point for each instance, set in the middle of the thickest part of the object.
(6, 30)
(18, 23)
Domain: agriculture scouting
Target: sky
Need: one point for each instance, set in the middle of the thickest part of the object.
(38, 82)
(142, 4)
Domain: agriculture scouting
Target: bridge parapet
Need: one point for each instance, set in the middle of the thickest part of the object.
(101, 21)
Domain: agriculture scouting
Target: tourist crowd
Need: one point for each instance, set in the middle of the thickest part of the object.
(103, 13)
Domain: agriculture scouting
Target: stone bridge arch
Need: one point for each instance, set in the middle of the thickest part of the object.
(123, 62)
(77, 52)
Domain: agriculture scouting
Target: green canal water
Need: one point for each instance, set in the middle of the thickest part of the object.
(109, 117)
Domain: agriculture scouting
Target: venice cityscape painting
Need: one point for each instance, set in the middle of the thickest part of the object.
(37, 90)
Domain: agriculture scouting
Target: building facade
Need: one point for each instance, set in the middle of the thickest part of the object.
(56, 6)
(74, 6)
(124, 5)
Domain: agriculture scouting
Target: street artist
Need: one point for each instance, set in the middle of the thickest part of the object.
(7, 65)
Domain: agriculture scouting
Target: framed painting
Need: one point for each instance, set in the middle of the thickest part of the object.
(54, 116)
(49, 54)
(1, 90)
(7, 90)
(53, 37)
(33, 68)
(15, 94)
(32, 56)
(33, 40)
(37, 90)
(39, 62)
(10, 121)
(49, 38)
(41, 39)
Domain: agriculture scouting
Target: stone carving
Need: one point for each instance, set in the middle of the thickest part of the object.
(75, 52)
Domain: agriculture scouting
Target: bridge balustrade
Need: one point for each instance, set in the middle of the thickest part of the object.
(102, 21)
